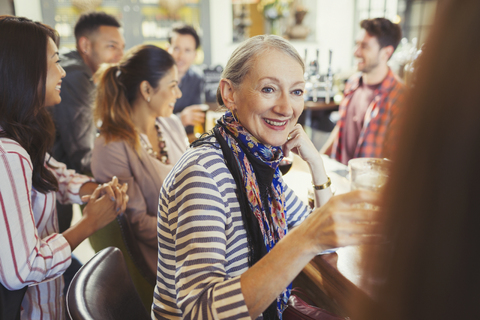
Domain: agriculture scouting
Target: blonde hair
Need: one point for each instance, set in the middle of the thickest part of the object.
(244, 56)
(118, 88)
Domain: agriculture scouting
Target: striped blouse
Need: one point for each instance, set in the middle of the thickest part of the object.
(202, 242)
(32, 252)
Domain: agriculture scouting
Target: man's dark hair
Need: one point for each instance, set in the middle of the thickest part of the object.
(386, 32)
(185, 29)
(90, 22)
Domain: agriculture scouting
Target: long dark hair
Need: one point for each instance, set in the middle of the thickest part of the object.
(430, 268)
(118, 87)
(23, 73)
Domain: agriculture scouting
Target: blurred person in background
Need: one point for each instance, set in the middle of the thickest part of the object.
(372, 97)
(140, 139)
(98, 40)
(33, 252)
(430, 266)
(183, 44)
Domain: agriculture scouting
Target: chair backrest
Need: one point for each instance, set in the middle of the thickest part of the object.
(134, 250)
(103, 289)
(118, 233)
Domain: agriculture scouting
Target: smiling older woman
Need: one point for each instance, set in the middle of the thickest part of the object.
(227, 246)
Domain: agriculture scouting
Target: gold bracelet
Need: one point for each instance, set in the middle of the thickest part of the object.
(323, 186)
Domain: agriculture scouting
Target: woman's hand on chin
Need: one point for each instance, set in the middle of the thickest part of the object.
(299, 143)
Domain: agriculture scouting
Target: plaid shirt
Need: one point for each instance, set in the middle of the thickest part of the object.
(377, 139)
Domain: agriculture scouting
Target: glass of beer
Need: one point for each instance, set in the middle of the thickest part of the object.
(368, 174)
(199, 129)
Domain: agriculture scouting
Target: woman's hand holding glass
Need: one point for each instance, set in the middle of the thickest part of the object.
(341, 223)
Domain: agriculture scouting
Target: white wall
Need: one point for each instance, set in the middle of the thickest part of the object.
(5, 7)
(335, 25)
(29, 9)
(221, 32)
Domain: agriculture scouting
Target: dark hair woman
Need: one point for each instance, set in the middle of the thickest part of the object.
(430, 268)
(140, 140)
(32, 252)
(227, 246)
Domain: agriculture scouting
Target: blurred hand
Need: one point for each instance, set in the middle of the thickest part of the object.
(342, 221)
(105, 203)
(108, 188)
(192, 115)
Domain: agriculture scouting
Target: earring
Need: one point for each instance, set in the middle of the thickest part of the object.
(148, 99)
(234, 114)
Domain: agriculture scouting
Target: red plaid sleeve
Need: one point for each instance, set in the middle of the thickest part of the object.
(378, 137)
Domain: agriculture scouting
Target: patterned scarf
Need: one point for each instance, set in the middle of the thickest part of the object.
(274, 225)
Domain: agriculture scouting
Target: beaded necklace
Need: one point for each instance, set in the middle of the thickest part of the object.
(162, 155)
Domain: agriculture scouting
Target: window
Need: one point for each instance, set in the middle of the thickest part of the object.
(417, 18)
(368, 9)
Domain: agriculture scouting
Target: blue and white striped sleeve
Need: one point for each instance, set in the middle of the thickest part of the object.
(297, 210)
(193, 245)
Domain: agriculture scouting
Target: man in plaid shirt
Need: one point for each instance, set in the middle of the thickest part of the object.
(372, 98)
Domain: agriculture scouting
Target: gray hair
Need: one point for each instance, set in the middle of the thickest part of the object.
(244, 56)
